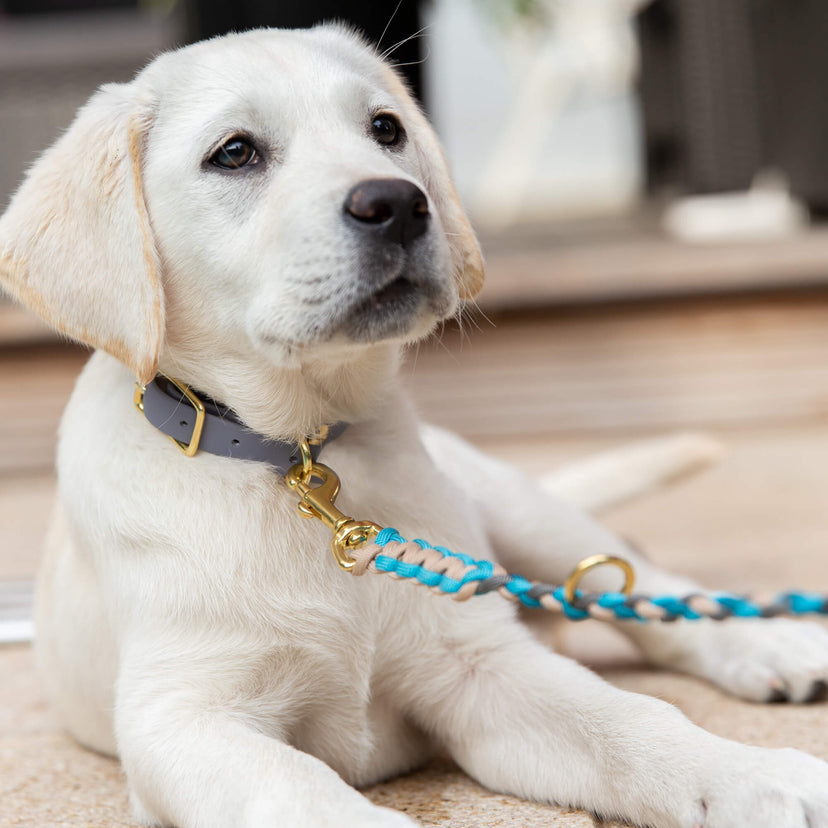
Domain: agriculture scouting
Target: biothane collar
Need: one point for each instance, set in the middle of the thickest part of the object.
(198, 423)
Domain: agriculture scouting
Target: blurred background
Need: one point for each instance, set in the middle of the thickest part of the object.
(650, 183)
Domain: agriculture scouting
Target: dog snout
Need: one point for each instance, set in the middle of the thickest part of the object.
(391, 208)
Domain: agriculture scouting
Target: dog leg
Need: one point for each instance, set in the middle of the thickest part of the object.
(189, 762)
(543, 538)
(525, 721)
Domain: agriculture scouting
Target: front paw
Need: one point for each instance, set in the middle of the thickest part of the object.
(755, 659)
(764, 789)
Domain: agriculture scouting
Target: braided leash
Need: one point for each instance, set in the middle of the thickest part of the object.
(450, 573)
(362, 546)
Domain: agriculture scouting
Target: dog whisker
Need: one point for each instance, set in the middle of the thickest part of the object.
(415, 62)
(390, 21)
(390, 51)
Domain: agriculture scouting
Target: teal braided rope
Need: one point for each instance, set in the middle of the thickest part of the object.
(715, 605)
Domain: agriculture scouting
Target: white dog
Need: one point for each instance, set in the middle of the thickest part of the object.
(267, 217)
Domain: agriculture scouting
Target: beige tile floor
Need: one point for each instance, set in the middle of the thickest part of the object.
(757, 519)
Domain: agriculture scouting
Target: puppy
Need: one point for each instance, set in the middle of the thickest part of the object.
(267, 218)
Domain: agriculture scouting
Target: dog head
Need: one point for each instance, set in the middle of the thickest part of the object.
(275, 192)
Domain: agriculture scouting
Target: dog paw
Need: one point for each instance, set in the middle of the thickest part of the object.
(759, 660)
(764, 789)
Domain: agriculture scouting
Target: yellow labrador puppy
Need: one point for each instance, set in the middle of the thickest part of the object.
(267, 218)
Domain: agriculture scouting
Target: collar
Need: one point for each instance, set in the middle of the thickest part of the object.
(198, 423)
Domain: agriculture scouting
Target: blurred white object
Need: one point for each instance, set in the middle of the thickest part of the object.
(604, 480)
(763, 213)
(538, 119)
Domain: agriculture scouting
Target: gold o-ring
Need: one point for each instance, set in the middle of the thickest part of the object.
(593, 561)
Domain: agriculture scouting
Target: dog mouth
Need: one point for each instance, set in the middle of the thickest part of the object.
(387, 312)
(397, 293)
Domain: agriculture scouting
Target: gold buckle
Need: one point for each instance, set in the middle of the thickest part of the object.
(187, 448)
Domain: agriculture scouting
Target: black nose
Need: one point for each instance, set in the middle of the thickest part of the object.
(392, 208)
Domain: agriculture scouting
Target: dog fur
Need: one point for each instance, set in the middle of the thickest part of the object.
(188, 621)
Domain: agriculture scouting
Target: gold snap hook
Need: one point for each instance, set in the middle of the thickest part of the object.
(307, 460)
(593, 561)
(317, 501)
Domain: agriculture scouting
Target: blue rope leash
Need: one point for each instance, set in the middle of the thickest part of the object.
(405, 562)
(362, 546)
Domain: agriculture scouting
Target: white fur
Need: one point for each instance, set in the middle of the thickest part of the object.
(189, 621)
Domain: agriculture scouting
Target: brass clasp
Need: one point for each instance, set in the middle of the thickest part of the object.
(318, 502)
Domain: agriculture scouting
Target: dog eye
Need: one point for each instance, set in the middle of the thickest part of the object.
(235, 154)
(387, 130)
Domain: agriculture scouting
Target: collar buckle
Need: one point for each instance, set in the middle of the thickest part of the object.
(191, 447)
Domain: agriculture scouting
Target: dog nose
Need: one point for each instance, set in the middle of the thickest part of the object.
(392, 208)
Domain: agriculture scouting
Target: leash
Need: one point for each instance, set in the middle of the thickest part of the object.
(194, 422)
(363, 546)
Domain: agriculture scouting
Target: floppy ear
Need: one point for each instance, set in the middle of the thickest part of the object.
(465, 250)
(76, 244)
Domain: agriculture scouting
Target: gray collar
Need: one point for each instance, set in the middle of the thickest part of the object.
(198, 423)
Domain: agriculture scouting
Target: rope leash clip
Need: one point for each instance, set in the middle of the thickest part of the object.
(318, 502)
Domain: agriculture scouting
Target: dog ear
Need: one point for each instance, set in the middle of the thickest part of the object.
(76, 244)
(465, 250)
(464, 246)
